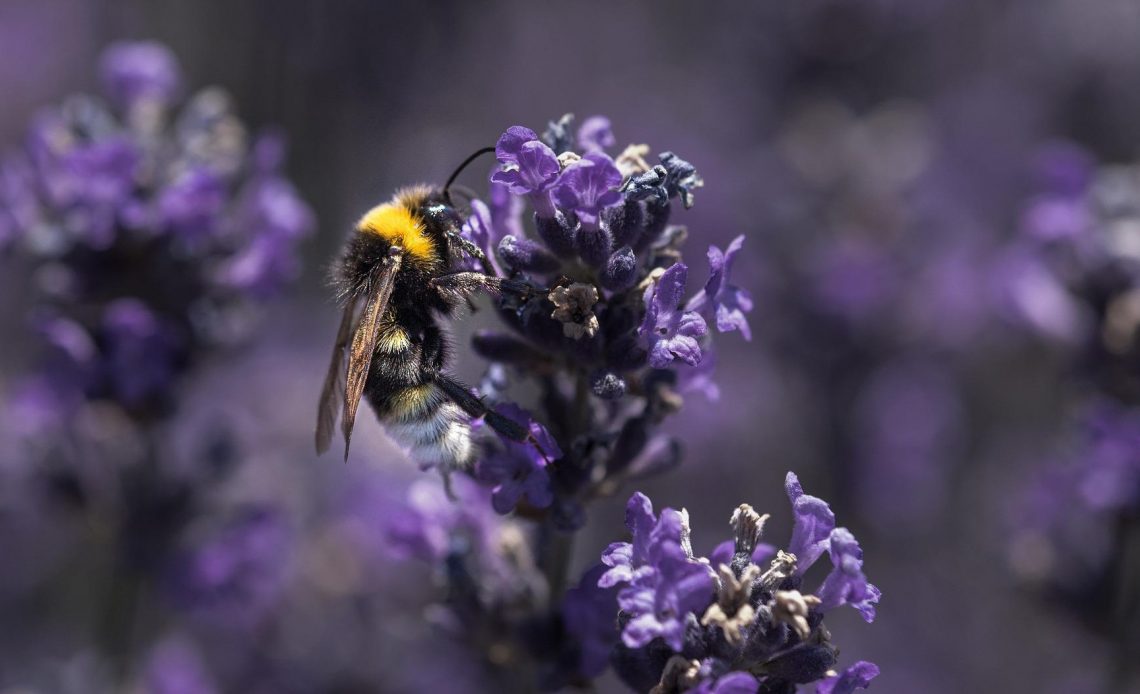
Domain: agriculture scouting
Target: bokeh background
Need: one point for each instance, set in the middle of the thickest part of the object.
(879, 156)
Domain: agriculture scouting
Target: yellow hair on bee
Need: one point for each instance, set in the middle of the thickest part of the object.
(392, 339)
(397, 225)
(409, 403)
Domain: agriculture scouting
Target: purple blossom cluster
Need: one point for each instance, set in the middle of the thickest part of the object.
(605, 329)
(147, 228)
(1077, 519)
(738, 620)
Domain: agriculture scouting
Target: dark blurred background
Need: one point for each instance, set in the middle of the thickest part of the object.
(875, 153)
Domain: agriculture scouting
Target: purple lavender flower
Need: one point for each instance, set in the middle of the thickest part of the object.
(142, 70)
(670, 332)
(530, 167)
(814, 522)
(712, 625)
(662, 598)
(479, 230)
(858, 676)
(650, 536)
(723, 303)
(185, 207)
(595, 134)
(518, 470)
(84, 181)
(846, 584)
(191, 205)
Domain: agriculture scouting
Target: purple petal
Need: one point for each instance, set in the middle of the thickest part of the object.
(858, 676)
(691, 324)
(736, 683)
(511, 142)
(670, 287)
(814, 522)
(640, 631)
(846, 584)
(506, 496)
(537, 488)
(685, 348)
(660, 356)
(595, 134)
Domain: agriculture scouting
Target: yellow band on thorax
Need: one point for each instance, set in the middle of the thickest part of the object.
(399, 227)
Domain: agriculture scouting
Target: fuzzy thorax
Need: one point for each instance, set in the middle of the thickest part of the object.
(397, 225)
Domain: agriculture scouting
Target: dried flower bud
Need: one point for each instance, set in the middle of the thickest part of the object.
(732, 611)
(573, 307)
(791, 607)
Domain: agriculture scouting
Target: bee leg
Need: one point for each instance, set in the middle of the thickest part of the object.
(472, 250)
(477, 408)
(464, 283)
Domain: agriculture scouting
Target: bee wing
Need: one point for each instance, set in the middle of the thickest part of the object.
(364, 341)
(334, 381)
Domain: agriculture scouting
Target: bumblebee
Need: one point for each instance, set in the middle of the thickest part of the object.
(397, 277)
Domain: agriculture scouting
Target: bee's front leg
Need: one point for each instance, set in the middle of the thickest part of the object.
(464, 284)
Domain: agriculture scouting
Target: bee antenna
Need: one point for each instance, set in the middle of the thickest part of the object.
(459, 170)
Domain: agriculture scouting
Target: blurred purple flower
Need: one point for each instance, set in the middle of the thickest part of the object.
(423, 528)
(595, 134)
(700, 378)
(1029, 294)
(234, 576)
(670, 332)
(139, 352)
(85, 178)
(191, 205)
(1110, 462)
(723, 303)
(589, 612)
(132, 71)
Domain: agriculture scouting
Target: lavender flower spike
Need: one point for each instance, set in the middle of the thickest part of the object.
(670, 332)
(719, 301)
